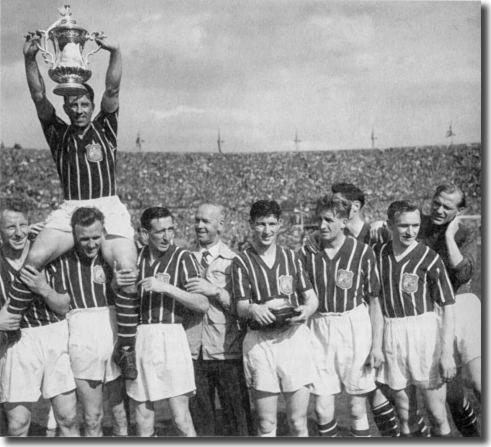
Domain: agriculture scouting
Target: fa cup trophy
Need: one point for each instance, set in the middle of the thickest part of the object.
(68, 67)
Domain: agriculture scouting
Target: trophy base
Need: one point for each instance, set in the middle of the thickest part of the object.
(70, 89)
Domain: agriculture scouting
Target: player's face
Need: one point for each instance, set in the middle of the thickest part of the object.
(265, 230)
(444, 207)
(405, 228)
(79, 109)
(89, 239)
(331, 226)
(207, 224)
(14, 229)
(161, 234)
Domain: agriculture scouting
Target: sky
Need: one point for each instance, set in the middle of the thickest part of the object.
(262, 70)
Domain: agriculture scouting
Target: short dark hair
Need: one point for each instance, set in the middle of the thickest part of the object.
(154, 212)
(89, 93)
(263, 208)
(338, 205)
(349, 191)
(86, 216)
(450, 188)
(400, 206)
(14, 204)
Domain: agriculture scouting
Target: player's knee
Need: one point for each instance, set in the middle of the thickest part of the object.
(67, 420)
(297, 424)
(358, 409)
(18, 425)
(438, 415)
(266, 425)
(93, 420)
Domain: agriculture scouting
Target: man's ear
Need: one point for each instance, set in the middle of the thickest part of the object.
(144, 235)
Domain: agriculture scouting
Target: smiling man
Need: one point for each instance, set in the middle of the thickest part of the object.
(418, 348)
(84, 152)
(164, 363)
(447, 233)
(92, 323)
(345, 278)
(278, 358)
(38, 364)
(216, 337)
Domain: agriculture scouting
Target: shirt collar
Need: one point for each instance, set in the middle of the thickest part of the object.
(217, 250)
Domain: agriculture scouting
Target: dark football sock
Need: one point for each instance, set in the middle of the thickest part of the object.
(386, 420)
(127, 314)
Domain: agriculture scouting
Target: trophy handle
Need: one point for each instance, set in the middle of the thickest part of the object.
(92, 37)
(47, 56)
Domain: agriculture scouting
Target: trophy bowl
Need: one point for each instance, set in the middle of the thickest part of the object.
(68, 67)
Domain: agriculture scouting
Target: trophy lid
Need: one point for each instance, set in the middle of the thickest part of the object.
(66, 22)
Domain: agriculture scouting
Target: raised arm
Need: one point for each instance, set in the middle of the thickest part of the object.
(35, 81)
(110, 98)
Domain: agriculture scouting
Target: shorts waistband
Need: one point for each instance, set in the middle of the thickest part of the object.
(91, 309)
(339, 314)
(89, 201)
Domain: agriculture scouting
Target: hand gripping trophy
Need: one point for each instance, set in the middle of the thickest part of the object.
(68, 67)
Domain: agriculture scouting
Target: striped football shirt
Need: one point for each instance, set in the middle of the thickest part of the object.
(254, 281)
(176, 266)
(412, 285)
(345, 281)
(87, 281)
(38, 313)
(86, 166)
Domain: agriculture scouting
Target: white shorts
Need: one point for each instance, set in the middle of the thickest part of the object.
(117, 219)
(92, 336)
(346, 341)
(467, 328)
(163, 361)
(38, 364)
(280, 360)
(412, 348)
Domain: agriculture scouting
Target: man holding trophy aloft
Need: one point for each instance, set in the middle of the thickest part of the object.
(84, 152)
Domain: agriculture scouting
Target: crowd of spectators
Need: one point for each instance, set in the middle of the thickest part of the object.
(181, 181)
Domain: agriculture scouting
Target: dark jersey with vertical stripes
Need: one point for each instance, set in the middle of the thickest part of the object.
(87, 281)
(38, 313)
(412, 285)
(345, 281)
(176, 266)
(86, 162)
(254, 281)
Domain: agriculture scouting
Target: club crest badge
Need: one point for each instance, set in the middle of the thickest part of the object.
(285, 284)
(164, 277)
(94, 152)
(98, 274)
(409, 283)
(344, 279)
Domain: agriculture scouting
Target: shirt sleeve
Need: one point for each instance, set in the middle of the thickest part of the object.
(188, 268)
(241, 285)
(54, 129)
(303, 280)
(440, 288)
(466, 240)
(372, 278)
(109, 125)
(56, 278)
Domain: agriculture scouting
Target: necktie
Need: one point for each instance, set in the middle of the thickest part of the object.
(204, 259)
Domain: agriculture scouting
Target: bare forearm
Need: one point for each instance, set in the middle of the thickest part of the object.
(454, 255)
(193, 301)
(448, 329)
(114, 73)
(57, 302)
(377, 321)
(34, 79)
(311, 302)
